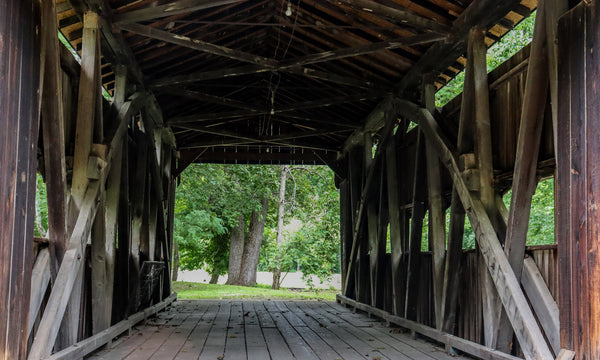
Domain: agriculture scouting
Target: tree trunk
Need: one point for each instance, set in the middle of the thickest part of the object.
(175, 261)
(252, 247)
(280, 217)
(214, 278)
(236, 250)
(276, 278)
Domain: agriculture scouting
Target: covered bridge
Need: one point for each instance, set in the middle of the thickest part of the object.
(347, 83)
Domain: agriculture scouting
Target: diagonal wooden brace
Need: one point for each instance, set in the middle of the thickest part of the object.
(519, 313)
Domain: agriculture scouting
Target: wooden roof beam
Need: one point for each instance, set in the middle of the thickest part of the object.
(254, 142)
(255, 69)
(209, 98)
(483, 13)
(172, 8)
(297, 106)
(197, 44)
(439, 56)
(209, 75)
(362, 50)
(272, 63)
(403, 17)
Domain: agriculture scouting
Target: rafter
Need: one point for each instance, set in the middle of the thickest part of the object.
(297, 106)
(209, 98)
(272, 63)
(172, 8)
(403, 17)
(197, 44)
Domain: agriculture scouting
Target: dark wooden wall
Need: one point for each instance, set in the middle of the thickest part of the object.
(19, 110)
(578, 179)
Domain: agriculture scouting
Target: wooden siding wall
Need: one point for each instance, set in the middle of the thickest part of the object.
(469, 321)
(578, 179)
(19, 119)
(507, 86)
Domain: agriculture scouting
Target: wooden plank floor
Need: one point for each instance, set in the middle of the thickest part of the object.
(278, 330)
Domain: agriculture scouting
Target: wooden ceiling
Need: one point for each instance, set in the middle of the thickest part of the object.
(280, 81)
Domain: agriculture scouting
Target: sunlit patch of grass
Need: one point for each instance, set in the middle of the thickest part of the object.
(190, 290)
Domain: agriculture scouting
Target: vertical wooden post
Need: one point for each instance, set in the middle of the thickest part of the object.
(121, 300)
(528, 145)
(492, 307)
(416, 229)
(345, 227)
(437, 214)
(354, 176)
(578, 183)
(396, 227)
(138, 186)
(86, 106)
(53, 123)
(19, 119)
(378, 286)
(372, 221)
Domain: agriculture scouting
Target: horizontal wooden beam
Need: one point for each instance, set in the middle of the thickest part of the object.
(169, 9)
(250, 157)
(256, 69)
(195, 95)
(177, 121)
(200, 45)
(466, 346)
(85, 347)
(209, 75)
(330, 77)
(400, 16)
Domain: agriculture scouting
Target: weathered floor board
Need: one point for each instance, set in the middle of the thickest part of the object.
(248, 330)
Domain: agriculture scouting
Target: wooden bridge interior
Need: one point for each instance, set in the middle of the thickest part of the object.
(160, 85)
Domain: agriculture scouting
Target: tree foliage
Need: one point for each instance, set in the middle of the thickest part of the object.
(498, 53)
(211, 197)
(208, 202)
(311, 231)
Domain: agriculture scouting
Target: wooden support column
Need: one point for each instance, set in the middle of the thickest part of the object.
(437, 213)
(19, 119)
(378, 286)
(397, 227)
(354, 176)
(578, 180)
(121, 299)
(89, 88)
(53, 133)
(103, 251)
(87, 108)
(528, 145)
(416, 229)
(372, 220)
(364, 234)
(492, 307)
(138, 195)
(345, 227)
(553, 9)
(169, 244)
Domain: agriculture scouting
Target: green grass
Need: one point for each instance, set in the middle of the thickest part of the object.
(190, 290)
